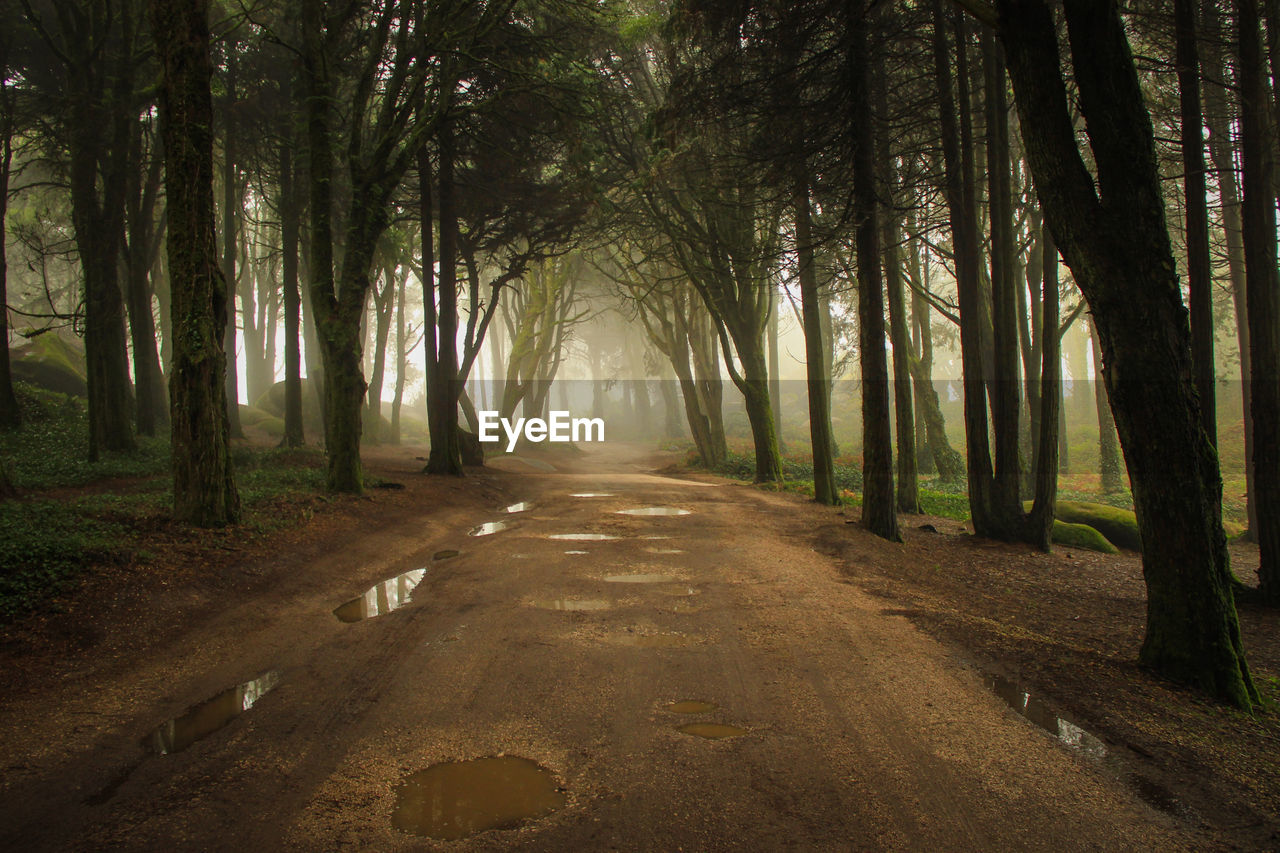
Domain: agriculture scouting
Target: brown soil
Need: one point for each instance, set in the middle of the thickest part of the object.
(864, 729)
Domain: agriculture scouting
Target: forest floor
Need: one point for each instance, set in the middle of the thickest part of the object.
(944, 693)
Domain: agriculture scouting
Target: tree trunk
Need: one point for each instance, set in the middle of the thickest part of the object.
(1263, 290)
(908, 495)
(231, 210)
(1113, 237)
(446, 455)
(1199, 274)
(204, 490)
(824, 477)
(775, 370)
(10, 413)
(384, 304)
(290, 230)
(1043, 509)
(1108, 450)
(878, 511)
(1222, 152)
(149, 393)
(402, 360)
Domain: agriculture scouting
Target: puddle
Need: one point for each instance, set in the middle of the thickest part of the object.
(487, 528)
(654, 538)
(655, 641)
(712, 731)
(523, 506)
(583, 537)
(571, 604)
(1043, 716)
(447, 554)
(683, 591)
(591, 495)
(460, 798)
(654, 510)
(575, 553)
(206, 718)
(691, 706)
(387, 596)
(640, 578)
(663, 551)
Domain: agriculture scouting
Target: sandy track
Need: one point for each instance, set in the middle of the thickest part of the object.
(862, 732)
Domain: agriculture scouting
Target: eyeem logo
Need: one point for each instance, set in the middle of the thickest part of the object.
(560, 428)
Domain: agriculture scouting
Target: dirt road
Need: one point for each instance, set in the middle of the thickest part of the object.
(857, 730)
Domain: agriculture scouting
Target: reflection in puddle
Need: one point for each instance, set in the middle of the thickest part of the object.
(575, 553)
(583, 537)
(653, 538)
(640, 578)
(712, 731)
(206, 718)
(663, 551)
(454, 800)
(654, 510)
(387, 596)
(523, 506)
(571, 604)
(655, 641)
(591, 495)
(1043, 716)
(487, 528)
(446, 554)
(690, 706)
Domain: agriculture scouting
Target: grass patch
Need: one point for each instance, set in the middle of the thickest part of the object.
(49, 542)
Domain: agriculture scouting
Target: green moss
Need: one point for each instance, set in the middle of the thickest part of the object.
(1081, 536)
(50, 362)
(1120, 526)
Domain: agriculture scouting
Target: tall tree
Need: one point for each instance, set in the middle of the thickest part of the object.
(1113, 235)
(10, 415)
(1257, 144)
(204, 490)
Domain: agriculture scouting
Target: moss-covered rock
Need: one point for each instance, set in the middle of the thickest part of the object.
(51, 362)
(1120, 526)
(1081, 536)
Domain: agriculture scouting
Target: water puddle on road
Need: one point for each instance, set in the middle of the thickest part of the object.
(591, 495)
(691, 706)
(663, 551)
(1043, 716)
(711, 731)
(460, 798)
(583, 537)
(654, 510)
(446, 554)
(383, 598)
(576, 553)
(523, 506)
(571, 604)
(487, 528)
(640, 578)
(204, 719)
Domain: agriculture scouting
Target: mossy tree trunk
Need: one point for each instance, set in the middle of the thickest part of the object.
(446, 447)
(204, 490)
(1113, 235)
(1108, 449)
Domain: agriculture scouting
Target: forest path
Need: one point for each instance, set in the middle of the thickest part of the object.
(859, 731)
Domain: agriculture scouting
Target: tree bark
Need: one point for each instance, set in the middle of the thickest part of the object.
(204, 490)
(152, 415)
(1108, 450)
(1114, 238)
